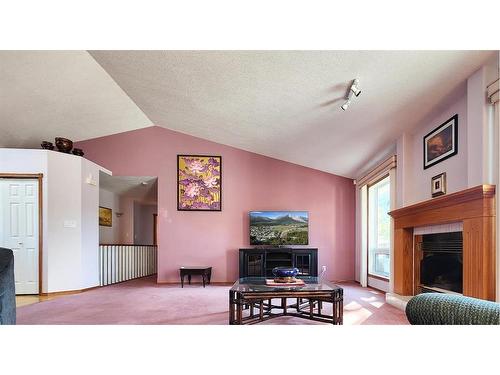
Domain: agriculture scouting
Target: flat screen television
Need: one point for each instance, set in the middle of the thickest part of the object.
(279, 228)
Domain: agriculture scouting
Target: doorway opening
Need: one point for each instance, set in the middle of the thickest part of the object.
(128, 227)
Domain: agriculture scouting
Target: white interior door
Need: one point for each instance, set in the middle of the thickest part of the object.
(19, 230)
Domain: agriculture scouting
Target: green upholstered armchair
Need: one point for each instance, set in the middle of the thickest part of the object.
(439, 308)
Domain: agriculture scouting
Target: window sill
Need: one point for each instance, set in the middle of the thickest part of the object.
(382, 278)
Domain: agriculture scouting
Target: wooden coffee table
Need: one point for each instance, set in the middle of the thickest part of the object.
(204, 271)
(251, 293)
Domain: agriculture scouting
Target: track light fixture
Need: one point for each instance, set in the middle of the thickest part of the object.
(354, 87)
(346, 104)
(354, 90)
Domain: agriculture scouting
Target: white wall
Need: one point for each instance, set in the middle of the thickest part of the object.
(134, 226)
(482, 135)
(90, 225)
(69, 212)
(64, 208)
(143, 223)
(473, 164)
(419, 187)
(404, 152)
(127, 220)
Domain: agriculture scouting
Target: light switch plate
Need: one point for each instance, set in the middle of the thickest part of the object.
(69, 224)
(91, 181)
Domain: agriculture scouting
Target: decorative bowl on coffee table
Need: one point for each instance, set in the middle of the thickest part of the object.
(285, 274)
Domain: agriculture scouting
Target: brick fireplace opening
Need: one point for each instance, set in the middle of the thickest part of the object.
(474, 209)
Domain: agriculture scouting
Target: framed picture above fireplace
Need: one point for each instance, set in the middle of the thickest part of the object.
(441, 143)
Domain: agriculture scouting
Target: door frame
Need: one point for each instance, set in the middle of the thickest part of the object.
(155, 229)
(39, 177)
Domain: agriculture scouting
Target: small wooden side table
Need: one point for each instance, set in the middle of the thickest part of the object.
(204, 271)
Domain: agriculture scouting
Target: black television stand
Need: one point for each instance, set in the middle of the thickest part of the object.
(261, 261)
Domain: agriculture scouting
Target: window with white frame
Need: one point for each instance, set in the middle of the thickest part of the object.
(379, 228)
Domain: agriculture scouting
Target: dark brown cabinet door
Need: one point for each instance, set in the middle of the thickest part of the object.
(260, 262)
(254, 264)
(304, 264)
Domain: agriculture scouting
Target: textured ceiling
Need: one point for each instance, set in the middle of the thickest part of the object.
(47, 94)
(131, 186)
(286, 104)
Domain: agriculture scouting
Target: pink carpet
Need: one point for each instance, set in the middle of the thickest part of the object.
(142, 301)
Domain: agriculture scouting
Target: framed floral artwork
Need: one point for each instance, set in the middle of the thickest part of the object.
(199, 183)
(441, 143)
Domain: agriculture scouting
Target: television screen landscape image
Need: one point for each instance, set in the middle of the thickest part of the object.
(279, 228)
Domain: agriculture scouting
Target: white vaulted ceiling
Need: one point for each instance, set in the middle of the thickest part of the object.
(48, 94)
(283, 104)
(286, 104)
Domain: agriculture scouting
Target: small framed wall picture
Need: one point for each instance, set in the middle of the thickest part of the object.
(441, 143)
(105, 217)
(438, 185)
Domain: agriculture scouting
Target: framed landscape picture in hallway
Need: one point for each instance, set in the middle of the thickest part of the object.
(199, 183)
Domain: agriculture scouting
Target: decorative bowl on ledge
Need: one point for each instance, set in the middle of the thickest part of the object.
(64, 144)
(285, 274)
(46, 145)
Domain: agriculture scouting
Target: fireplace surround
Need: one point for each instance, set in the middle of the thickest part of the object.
(475, 208)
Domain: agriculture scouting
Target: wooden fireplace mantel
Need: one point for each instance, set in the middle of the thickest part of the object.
(475, 208)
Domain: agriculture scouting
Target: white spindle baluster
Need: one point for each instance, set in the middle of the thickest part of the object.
(119, 263)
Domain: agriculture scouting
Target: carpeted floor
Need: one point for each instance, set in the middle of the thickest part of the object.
(142, 301)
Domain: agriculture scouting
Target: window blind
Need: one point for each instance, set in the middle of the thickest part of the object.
(376, 172)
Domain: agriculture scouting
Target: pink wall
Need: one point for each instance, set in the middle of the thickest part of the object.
(250, 182)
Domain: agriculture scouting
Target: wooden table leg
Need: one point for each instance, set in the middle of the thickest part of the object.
(283, 305)
(261, 310)
(311, 307)
(203, 277)
(334, 311)
(341, 311)
(239, 313)
(182, 280)
(231, 307)
(189, 279)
